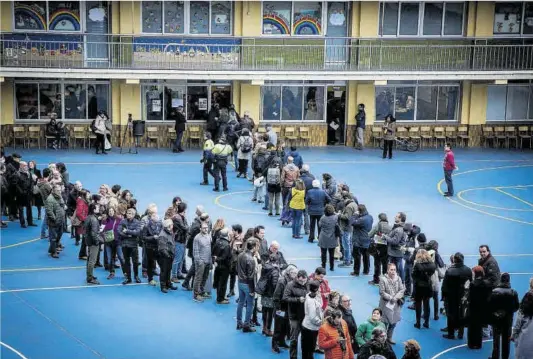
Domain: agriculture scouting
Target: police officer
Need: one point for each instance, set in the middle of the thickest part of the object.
(221, 152)
(207, 158)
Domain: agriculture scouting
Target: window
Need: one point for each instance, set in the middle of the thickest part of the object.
(425, 102)
(421, 18)
(187, 17)
(197, 103)
(47, 15)
(277, 17)
(513, 18)
(510, 103)
(78, 100)
(289, 103)
(299, 17)
(307, 18)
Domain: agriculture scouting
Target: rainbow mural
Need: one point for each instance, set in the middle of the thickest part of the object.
(309, 23)
(30, 12)
(278, 22)
(60, 16)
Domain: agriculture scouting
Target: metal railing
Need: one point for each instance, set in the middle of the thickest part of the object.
(261, 54)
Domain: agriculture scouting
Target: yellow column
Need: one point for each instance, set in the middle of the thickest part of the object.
(478, 104)
(484, 19)
(130, 102)
(465, 102)
(366, 94)
(130, 17)
(115, 99)
(237, 18)
(236, 96)
(251, 101)
(7, 103)
(356, 19)
(115, 17)
(351, 102)
(369, 15)
(6, 16)
(252, 23)
(471, 20)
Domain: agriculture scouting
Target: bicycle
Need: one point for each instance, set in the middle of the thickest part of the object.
(403, 144)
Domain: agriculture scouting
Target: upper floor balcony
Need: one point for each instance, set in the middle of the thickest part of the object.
(126, 56)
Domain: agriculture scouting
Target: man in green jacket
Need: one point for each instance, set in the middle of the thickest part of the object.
(55, 216)
(364, 331)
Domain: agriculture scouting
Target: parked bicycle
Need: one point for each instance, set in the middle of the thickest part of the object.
(403, 144)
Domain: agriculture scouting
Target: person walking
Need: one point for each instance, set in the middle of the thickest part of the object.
(360, 124)
(478, 295)
(327, 238)
(449, 166)
(312, 320)
(165, 255)
(378, 247)
(389, 135)
(221, 153)
(93, 241)
(362, 225)
(179, 126)
(423, 271)
(391, 292)
(503, 303)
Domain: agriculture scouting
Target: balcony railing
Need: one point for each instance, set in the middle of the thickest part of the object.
(266, 54)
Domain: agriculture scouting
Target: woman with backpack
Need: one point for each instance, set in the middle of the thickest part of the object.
(274, 187)
(245, 144)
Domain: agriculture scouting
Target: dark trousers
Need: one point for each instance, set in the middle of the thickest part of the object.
(99, 143)
(232, 281)
(220, 171)
(359, 252)
(331, 252)
(165, 264)
(408, 268)
(29, 216)
(151, 255)
(501, 342)
(281, 329)
(83, 248)
(314, 223)
(179, 137)
(449, 181)
(55, 232)
(190, 274)
(475, 335)
(222, 282)
(208, 169)
(296, 328)
(131, 255)
(243, 166)
(268, 316)
(419, 302)
(454, 321)
(435, 303)
(91, 261)
(387, 147)
(308, 343)
(380, 261)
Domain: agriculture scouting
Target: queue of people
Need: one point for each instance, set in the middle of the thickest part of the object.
(232, 261)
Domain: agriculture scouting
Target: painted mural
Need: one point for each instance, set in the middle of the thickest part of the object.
(186, 51)
(64, 15)
(30, 16)
(307, 18)
(276, 17)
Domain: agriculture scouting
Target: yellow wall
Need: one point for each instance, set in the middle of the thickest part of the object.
(237, 19)
(478, 104)
(369, 15)
(366, 94)
(7, 102)
(250, 101)
(251, 18)
(125, 99)
(465, 102)
(484, 19)
(236, 96)
(130, 17)
(471, 20)
(6, 16)
(351, 102)
(356, 18)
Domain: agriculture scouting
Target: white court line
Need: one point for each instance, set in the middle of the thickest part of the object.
(370, 275)
(442, 255)
(13, 350)
(71, 287)
(20, 243)
(39, 269)
(453, 348)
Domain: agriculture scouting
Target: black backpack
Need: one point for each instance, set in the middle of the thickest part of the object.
(247, 145)
(93, 126)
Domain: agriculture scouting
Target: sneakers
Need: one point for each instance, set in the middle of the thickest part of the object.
(164, 290)
(93, 281)
(206, 295)
(225, 301)
(186, 287)
(249, 329)
(198, 299)
(153, 283)
(138, 280)
(111, 276)
(126, 281)
(175, 280)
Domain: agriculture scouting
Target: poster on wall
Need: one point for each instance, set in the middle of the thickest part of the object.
(202, 104)
(156, 105)
(506, 24)
(177, 102)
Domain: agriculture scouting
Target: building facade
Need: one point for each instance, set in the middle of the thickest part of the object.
(295, 64)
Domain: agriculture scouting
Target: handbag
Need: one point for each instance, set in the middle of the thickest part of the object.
(338, 232)
(109, 236)
(75, 221)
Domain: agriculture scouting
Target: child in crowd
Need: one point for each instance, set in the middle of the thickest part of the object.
(259, 187)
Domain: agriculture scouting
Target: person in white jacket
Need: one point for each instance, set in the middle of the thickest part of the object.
(312, 320)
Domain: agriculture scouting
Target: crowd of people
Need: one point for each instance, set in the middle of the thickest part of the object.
(233, 261)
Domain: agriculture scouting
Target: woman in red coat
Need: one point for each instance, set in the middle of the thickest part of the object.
(334, 337)
(81, 212)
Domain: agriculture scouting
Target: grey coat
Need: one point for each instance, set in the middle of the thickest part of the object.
(523, 337)
(349, 210)
(390, 291)
(327, 238)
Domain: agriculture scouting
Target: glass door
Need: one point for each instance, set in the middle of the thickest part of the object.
(337, 30)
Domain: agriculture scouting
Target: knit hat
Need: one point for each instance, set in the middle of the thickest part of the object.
(314, 286)
(505, 278)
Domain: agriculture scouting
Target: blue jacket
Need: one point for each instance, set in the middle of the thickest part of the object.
(315, 200)
(298, 161)
(361, 226)
(308, 179)
(130, 237)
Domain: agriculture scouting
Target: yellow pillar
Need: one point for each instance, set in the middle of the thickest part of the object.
(115, 17)
(6, 16)
(366, 94)
(471, 19)
(130, 17)
(478, 104)
(115, 99)
(369, 15)
(236, 96)
(130, 102)
(351, 102)
(7, 103)
(237, 18)
(252, 18)
(356, 19)
(465, 102)
(484, 19)
(251, 101)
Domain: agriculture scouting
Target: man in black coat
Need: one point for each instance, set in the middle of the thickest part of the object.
(490, 266)
(24, 185)
(180, 128)
(281, 326)
(503, 303)
(12, 168)
(294, 295)
(346, 309)
(222, 257)
(453, 291)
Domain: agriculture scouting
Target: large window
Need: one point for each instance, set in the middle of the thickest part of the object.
(411, 19)
(70, 100)
(296, 17)
(289, 103)
(427, 102)
(187, 17)
(513, 102)
(513, 18)
(47, 15)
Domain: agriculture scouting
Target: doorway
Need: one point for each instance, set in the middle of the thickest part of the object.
(221, 94)
(336, 115)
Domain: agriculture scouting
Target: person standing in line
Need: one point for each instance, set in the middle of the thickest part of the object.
(345, 306)
(395, 241)
(24, 185)
(246, 273)
(391, 292)
(315, 201)
(492, 275)
(334, 336)
(150, 234)
(378, 247)
(130, 228)
(179, 126)
(389, 134)
(222, 257)
(55, 216)
(221, 153)
(423, 270)
(297, 206)
(207, 159)
(327, 239)
(165, 255)
(449, 167)
(245, 144)
(294, 295)
(360, 124)
(92, 239)
(272, 135)
(281, 322)
(364, 330)
(362, 225)
(523, 329)
(180, 230)
(44, 191)
(478, 295)
(349, 210)
(312, 320)
(503, 303)
(201, 248)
